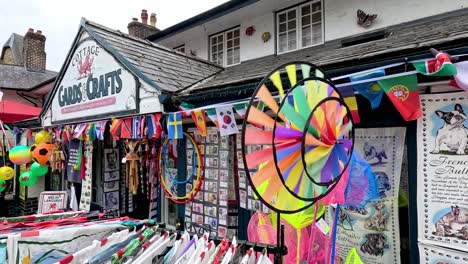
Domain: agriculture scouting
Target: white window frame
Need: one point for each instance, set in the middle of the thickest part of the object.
(179, 48)
(224, 52)
(297, 8)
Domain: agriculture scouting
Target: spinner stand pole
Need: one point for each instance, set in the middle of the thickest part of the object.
(281, 249)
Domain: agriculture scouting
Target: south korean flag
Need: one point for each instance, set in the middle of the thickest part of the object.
(226, 121)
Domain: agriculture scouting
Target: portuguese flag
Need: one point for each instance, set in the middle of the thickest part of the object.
(404, 94)
(440, 66)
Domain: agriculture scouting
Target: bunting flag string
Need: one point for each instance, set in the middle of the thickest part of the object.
(372, 84)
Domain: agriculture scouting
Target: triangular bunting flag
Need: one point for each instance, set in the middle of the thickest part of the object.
(440, 66)
(371, 90)
(404, 94)
(198, 117)
(174, 126)
(116, 128)
(141, 130)
(186, 109)
(29, 133)
(100, 127)
(241, 109)
(153, 126)
(211, 113)
(78, 131)
(126, 130)
(91, 133)
(460, 80)
(348, 96)
(135, 127)
(226, 121)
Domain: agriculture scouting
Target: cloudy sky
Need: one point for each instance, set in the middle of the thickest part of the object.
(59, 19)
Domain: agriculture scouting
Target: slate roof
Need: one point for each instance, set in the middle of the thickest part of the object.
(15, 43)
(163, 67)
(423, 33)
(18, 78)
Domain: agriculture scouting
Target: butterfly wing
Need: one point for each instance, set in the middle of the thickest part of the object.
(370, 19)
(361, 15)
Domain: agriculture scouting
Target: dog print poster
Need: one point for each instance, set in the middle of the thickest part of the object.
(437, 255)
(443, 171)
(373, 230)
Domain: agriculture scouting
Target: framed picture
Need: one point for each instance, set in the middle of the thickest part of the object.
(111, 160)
(111, 200)
(111, 176)
(111, 186)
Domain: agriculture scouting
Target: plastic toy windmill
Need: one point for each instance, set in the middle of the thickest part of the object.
(297, 137)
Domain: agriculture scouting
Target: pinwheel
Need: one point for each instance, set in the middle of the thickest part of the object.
(170, 182)
(297, 137)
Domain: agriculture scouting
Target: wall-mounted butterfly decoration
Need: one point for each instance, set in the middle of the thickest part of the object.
(365, 20)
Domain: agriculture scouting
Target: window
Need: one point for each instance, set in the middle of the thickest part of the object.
(299, 27)
(180, 48)
(225, 48)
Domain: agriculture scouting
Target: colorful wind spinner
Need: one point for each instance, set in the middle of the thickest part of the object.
(297, 137)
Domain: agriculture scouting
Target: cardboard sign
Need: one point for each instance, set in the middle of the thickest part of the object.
(52, 201)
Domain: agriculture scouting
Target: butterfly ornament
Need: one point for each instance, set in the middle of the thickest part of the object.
(365, 20)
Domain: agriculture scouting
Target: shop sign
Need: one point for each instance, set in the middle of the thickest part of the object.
(94, 85)
(52, 202)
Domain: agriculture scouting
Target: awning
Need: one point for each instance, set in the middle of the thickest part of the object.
(11, 111)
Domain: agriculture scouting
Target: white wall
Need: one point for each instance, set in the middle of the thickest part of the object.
(253, 46)
(340, 16)
(340, 22)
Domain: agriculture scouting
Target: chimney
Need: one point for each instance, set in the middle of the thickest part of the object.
(34, 55)
(142, 29)
(153, 20)
(144, 16)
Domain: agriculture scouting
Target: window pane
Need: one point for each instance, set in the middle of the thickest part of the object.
(305, 10)
(306, 32)
(292, 35)
(292, 44)
(220, 47)
(220, 38)
(306, 41)
(316, 17)
(316, 7)
(229, 35)
(292, 24)
(306, 20)
(316, 33)
(282, 38)
(213, 41)
(282, 46)
(214, 48)
(292, 14)
(229, 57)
(282, 27)
(236, 33)
(236, 42)
(282, 17)
(236, 55)
(229, 44)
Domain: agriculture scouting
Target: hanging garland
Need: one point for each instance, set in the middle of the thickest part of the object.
(198, 180)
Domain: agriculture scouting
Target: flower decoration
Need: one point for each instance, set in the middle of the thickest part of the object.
(249, 31)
